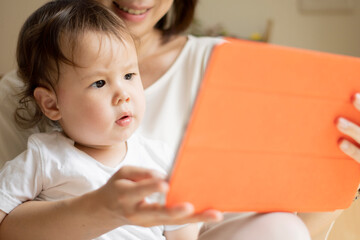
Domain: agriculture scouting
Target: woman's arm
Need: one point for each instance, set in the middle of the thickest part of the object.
(120, 201)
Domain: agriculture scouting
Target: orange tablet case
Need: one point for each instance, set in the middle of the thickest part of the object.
(262, 135)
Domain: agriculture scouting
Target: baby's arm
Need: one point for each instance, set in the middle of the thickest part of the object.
(118, 202)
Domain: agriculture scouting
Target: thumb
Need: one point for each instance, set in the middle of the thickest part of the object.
(137, 174)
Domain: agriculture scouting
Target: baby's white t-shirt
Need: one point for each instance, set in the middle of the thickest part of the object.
(53, 169)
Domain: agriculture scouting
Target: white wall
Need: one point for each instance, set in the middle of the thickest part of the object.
(337, 33)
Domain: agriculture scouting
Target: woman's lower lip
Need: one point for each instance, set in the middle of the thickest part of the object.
(124, 122)
(130, 17)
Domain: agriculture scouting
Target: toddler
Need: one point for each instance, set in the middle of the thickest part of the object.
(79, 64)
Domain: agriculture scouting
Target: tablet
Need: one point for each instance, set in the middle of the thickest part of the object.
(262, 135)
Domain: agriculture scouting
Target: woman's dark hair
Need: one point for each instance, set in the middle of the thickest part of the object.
(178, 19)
(39, 49)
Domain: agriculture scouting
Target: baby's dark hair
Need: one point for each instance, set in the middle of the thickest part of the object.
(39, 49)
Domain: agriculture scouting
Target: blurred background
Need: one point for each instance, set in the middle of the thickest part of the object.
(323, 25)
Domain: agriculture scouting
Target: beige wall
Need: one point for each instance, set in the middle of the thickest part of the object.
(12, 15)
(330, 32)
(336, 32)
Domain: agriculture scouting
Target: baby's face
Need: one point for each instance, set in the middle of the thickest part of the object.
(102, 101)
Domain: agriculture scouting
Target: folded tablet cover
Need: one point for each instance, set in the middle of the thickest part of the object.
(262, 135)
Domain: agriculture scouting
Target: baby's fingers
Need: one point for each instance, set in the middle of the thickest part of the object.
(131, 194)
(144, 188)
(185, 212)
(147, 215)
(136, 173)
(206, 216)
(164, 214)
(350, 149)
(349, 128)
(177, 215)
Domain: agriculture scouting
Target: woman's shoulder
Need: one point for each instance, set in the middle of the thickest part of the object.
(198, 49)
(12, 140)
(202, 44)
(10, 84)
(204, 41)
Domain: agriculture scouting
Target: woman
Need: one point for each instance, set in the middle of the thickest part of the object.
(171, 66)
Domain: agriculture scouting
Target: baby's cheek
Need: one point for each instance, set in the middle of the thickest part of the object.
(99, 117)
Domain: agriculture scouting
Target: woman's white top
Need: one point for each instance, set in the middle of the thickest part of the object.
(170, 99)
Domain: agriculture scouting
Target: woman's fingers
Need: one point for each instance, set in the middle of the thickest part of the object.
(352, 130)
(356, 101)
(349, 128)
(350, 149)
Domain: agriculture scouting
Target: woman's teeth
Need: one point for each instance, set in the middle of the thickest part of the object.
(133, 11)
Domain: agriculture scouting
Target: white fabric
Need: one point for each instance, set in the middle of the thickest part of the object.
(170, 99)
(53, 169)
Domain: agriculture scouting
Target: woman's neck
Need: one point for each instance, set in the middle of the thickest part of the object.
(109, 156)
(156, 57)
(148, 44)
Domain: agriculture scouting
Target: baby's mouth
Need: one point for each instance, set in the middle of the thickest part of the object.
(124, 117)
(130, 10)
(124, 120)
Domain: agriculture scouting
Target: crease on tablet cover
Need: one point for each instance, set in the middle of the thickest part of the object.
(262, 134)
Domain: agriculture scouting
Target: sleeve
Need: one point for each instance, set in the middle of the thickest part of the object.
(20, 180)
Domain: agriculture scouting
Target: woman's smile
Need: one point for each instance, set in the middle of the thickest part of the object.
(134, 14)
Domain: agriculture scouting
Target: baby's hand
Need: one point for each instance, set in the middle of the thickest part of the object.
(123, 198)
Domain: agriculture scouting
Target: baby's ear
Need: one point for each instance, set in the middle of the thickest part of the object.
(47, 101)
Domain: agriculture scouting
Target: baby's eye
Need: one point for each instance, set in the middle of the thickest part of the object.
(98, 84)
(129, 76)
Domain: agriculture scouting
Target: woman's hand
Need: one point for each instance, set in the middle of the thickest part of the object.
(319, 223)
(122, 199)
(352, 130)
